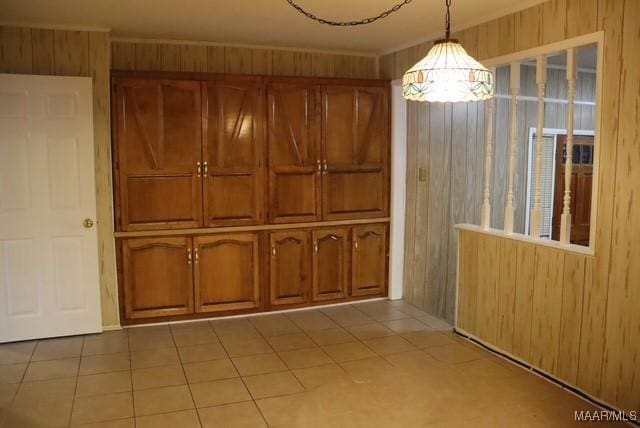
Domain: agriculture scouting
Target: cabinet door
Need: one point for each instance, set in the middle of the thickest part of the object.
(294, 158)
(157, 276)
(232, 147)
(158, 145)
(355, 148)
(289, 267)
(369, 255)
(330, 263)
(226, 272)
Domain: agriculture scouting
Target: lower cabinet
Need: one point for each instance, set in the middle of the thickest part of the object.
(226, 271)
(223, 273)
(369, 260)
(157, 277)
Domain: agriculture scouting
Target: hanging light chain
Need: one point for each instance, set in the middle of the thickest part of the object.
(349, 23)
(448, 20)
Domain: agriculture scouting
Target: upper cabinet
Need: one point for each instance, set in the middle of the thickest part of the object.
(294, 152)
(355, 151)
(157, 124)
(232, 147)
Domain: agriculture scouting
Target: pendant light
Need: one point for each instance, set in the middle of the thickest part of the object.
(447, 74)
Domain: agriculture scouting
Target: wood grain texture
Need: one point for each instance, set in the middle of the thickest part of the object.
(123, 56)
(43, 53)
(467, 281)
(15, 50)
(193, 58)
(525, 263)
(507, 293)
(582, 17)
(488, 278)
(71, 53)
(554, 21)
(237, 60)
(506, 34)
(261, 61)
(322, 65)
(215, 59)
(147, 57)
(283, 63)
(170, 57)
(528, 28)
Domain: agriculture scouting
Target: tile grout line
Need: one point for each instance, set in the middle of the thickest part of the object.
(75, 390)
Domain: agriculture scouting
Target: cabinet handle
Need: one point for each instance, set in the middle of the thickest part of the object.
(315, 247)
(318, 165)
(355, 244)
(273, 251)
(324, 166)
(189, 255)
(198, 169)
(195, 255)
(206, 169)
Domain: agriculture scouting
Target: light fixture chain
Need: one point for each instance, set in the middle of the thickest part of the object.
(448, 19)
(349, 23)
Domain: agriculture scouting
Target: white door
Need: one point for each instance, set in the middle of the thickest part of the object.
(48, 256)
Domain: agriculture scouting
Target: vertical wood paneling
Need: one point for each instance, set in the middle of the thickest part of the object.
(71, 53)
(410, 281)
(528, 28)
(341, 65)
(215, 59)
(170, 57)
(261, 61)
(237, 60)
(302, 64)
(123, 56)
(15, 50)
(506, 32)
(322, 65)
(525, 265)
(507, 293)
(554, 21)
(192, 58)
(283, 63)
(467, 281)
(582, 17)
(488, 277)
(42, 47)
(387, 66)
(401, 63)
(488, 39)
(547, 295)
(148, 57)
(571, 317)
(470, 40)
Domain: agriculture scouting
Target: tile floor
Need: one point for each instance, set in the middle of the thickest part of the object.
(373, 364)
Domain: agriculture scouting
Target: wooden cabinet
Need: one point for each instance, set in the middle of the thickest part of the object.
(369, 260)
(226, 272)
(157, 277)
(331, 258)
(157, 126)
(294, 152)
(289, 267)
(232, 147)
(355, 151)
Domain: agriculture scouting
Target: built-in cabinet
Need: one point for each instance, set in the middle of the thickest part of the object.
(224, 156)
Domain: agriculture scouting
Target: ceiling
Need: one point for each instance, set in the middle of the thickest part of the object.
(261, 22)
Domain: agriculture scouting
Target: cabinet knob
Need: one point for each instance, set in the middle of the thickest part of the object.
(355, 244)
(195, 255)
(198, 169)
(189, 255)
(205, 169)
(273, 251)
(87, 223)
(315, 247)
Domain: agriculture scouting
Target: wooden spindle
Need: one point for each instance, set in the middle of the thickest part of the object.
(509, 208)
(565, 219)
(485, 218)
(536, 210)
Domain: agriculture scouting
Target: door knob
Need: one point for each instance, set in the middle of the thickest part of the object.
(87, 223)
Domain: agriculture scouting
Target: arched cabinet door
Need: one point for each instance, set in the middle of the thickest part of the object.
(289, 267)
(369, 255)
(330, 264)
(158, 151)
(158, 277)
(226, 272)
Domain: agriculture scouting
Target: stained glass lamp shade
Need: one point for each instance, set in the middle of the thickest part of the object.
(448, 74)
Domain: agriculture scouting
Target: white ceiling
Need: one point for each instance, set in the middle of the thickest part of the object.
(261, 22)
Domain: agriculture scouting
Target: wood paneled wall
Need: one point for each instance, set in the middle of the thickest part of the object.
(228, 59)
(608, 362)
(76, 53)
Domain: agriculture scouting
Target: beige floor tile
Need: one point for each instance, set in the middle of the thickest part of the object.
(155, 377)
(412, 360)
(162, 400)
(7, 393)
(427, 339)
(192, 335)
(408, 308)
(389, 345)
(94, 364)
(236, 415)
(314, 377)
(272, 384)
(381, 312)
(283, 410)
(46, 415)
(301, 358)
(436, 323)
(311, 320)
(110, 342)
(206, 371)
(204, 352)
(18, 352)
(332, 336)
(104, 383)
(346, 316)
(154, 358)
(348, 351)
(117, 423)
(454, 353)
(289, 342)
(406, 325)
(244, 348)
(32, 394)
(55, 349)
(181, 419)
(52, 369)
(144, 338)
(273, 325)
(259, 364)
(12, 373)
(235, 329)
(219, 392)
(100, 408)
(370, 331)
